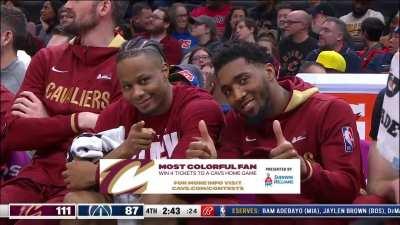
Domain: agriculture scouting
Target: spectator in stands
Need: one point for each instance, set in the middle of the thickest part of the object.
(333, 37)
(264, 14)
(332, 61)
(180, 27)
(319, 15)
(311, 67)
(60, 36)
(282, 9)
(265, 40)
(217, 10)
(262, 107)
(13, 29)
(187, 74)
(159, 31)
(246, 30)
(294, 48)
(145, 111)
(360, 12)
(200, 57)
(371, 31)
(237, 13)
(204, 29)
(65, 88)
(142, 16)
(48, 20)
(268, 43)
(383, 158)
(381, 62)
(393, 23)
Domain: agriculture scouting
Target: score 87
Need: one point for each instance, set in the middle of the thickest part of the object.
(131, 210)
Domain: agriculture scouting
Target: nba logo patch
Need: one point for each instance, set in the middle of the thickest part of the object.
(348, 139)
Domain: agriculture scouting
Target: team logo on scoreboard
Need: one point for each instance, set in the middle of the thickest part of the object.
(100, 210)
(207, 210)
(31, 210)
(268, 181)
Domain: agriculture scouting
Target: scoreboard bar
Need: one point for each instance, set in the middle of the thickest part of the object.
(176, 211)
(141, 211)
(42, 211)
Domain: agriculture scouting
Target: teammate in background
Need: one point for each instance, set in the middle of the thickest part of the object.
(284, 120)
(160, 119)
(383, 159)
(64, 90)
(13, 29)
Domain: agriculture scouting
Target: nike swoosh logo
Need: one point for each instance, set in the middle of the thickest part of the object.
(296, 139)
(59, 71)
(250, 139)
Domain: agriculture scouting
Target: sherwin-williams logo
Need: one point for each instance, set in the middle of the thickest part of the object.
(268, 181)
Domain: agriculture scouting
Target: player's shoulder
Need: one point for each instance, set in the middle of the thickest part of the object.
(329, 103)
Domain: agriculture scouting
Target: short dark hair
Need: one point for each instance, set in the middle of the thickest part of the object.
(284, 5)
(250, 23)
(138, 46)
(138, 7)
(373, 28)
(119, 8)
(231, 51)
(14, 20)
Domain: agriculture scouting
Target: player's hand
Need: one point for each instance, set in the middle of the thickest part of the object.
(80, 175)
(204, 147)
(27, 105)
(87, 120)
(285, 149)
(139, 138)
(395, 186)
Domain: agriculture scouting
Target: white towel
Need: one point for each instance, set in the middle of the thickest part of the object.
(90, 146)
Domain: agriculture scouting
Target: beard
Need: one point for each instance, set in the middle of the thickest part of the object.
(359, 12)
(82, 26)
(265, 107)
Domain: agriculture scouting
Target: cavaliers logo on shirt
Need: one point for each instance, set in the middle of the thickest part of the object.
(348, 139)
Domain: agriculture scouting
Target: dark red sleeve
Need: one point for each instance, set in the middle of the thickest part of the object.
(6, 99)
(340, 178)
(109, 118)
(207, 110)
(37, 133)
(230, 138)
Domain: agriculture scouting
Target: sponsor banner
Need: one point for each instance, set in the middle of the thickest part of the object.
(200, 176)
